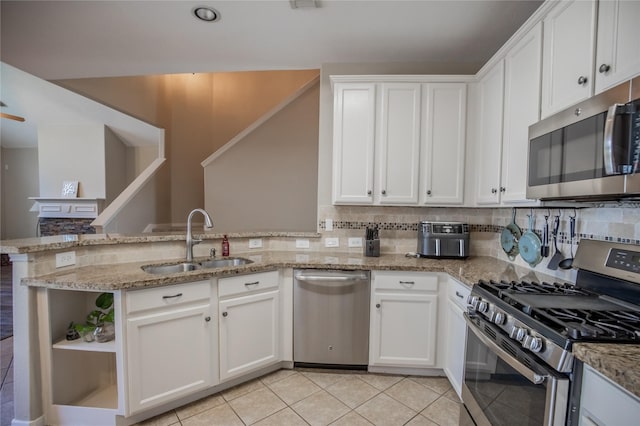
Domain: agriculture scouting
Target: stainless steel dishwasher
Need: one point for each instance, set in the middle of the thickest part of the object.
(331, 318)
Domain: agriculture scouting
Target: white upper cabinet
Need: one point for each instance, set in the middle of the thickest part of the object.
(618, 45)
(568, 54)
(353, 142)
(444, 107)
(489, 149)
(398, 140)
(398, 144)
(522, 68)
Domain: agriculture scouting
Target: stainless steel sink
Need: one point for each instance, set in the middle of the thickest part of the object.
(221, 263)
(173, 268)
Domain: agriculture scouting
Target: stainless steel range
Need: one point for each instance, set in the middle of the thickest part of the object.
(519, 365)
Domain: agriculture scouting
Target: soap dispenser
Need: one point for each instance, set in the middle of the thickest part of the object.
(225, 246)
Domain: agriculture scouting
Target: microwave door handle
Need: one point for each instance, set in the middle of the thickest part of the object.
(610, 166)
(532, 376)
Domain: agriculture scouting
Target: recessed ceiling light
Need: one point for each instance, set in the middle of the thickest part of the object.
(207, 14)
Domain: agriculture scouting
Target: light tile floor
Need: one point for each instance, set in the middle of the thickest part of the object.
(301, 397)
(317, 397)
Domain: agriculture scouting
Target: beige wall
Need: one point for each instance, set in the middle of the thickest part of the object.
(267, 181)
(20, 174)
(200, 113)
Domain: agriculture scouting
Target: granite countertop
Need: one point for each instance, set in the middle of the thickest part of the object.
(130, 275)
(616, 361)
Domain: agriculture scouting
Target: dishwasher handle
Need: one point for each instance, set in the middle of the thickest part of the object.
(331, 280)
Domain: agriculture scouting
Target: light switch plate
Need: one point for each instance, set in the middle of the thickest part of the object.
(255, 243)
(328, 224)
(332, 242)
(355, 242)
(302, 244)
(67, 258)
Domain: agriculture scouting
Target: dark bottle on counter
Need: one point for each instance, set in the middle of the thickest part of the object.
(225, 246)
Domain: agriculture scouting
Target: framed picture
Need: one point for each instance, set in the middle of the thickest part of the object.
(70, 188)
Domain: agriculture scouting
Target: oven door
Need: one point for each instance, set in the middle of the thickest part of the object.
(505, 385)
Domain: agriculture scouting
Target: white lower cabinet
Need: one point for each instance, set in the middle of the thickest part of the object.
(249, 313)
(404, 314)
(456, 335)
(603, 403)
(171, 343)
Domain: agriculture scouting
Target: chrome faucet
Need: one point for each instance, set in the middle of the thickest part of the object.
(193, 241)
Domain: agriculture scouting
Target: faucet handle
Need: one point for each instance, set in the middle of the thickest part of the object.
(212, 252)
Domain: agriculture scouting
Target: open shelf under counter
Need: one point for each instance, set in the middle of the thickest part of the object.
(81, 345)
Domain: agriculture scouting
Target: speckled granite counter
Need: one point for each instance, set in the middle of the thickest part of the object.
(130, 275)
(617, 362)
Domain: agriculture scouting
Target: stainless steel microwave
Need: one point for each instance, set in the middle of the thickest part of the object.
(590, 151)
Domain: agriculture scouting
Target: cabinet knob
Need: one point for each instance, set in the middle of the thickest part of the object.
(503, 189)
(577, 112)
(207, 319)
(224, 314)
(377, 305)
(494, 191)
(384, 192)
(604, 68)
(582, 80)
(429, 192)
(369, 192)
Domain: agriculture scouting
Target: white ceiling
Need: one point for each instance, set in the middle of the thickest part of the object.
(76, 39)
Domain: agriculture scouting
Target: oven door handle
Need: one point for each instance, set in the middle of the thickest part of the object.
(532, 376)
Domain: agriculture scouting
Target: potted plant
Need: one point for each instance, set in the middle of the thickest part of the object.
(99, 322)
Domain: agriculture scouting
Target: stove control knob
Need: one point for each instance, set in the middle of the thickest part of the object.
(534, 344)
(498, 317)
(518, 333)
(473, 302)
(483, 306)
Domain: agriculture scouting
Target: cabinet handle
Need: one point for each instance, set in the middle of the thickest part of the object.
(604, 68)
(253, 283)
(429, 192)
(207, 319)
(377, 305)
(582, 80)
(408, 282)
(494, 191)
(503, 189)
(369, 192)
(224, 314)
(458, 294)
(384, 192)
(172, 297)
(577, 112)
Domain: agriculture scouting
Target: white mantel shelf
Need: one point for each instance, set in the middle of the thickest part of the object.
(61, 207)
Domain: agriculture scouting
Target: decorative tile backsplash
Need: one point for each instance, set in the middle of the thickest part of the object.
(64, 226)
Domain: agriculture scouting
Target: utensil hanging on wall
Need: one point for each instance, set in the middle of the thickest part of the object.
(530, 244)
(510, 236)
(568, 262)
(557, 255)
(544, 250)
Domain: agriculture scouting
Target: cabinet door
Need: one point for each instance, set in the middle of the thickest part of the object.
(443, 133)
(618, 49)
(249, 334)
(354, 112)
(604, 403)
(456, 339)
(521, 109)
(568, 53)
(489, 151)
(170, 355)
(403, 331)
(398, 147)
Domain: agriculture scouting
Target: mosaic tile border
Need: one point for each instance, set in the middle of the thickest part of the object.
(563, 237)
(59, 226)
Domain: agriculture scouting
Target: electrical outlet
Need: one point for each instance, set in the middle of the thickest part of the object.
(355, 242)
(67, 258)
(255, 243)
(328, 224)
(302, 244)
(332, 242)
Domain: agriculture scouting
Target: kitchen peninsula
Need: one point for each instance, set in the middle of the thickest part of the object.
(112, 263)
